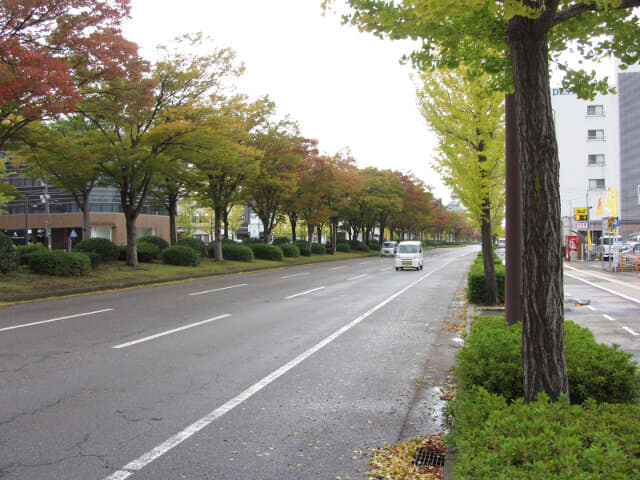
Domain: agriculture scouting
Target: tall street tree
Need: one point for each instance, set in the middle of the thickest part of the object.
(514, 42)
(467, 117)
(140, 123)
(65, 153)
(282, 149)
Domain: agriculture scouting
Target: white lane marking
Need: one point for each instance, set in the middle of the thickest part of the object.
(169, 332)
(609, 317)
(297, 275)
(303, 293)
(357, 277)
(175, 440)
(592, 308)
(219, 289)
(602, 288)
(336, 268)
(385, 269)
(24, 325)
(635, 334)
(363, 263)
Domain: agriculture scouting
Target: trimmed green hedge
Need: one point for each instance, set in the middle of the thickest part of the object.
(147, 251)
(159, 242)
(8, 260)
(544, 440)
(343, 247)
(24, 252)
(266, 252)
(318, 249)
(234, 251)
(195, 243)
(60, 263)
(181, 255)
(290, 250)
(102, 246)
(476, 292)
(492, 359)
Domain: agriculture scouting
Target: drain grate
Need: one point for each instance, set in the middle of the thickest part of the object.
(424, 456)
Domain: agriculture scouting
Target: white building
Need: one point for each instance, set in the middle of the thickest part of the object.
(599, 151)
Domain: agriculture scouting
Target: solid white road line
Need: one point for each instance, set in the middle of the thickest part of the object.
(55, 319)
(296, 275)
(385, 269)
(592, 308)
(144, 460)
(602, 288)
(356, 278)
(169, 332)
(635, 334)
(303, 293)
(337, 268)
(609, 317)
(219, 289)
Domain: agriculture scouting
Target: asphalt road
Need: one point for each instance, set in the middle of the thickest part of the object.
(613, 311)
(281, 374)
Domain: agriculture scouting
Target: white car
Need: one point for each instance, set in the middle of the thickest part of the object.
(389, 249)
(409, 255)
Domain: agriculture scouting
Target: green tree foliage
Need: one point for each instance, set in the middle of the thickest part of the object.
(65, 153)
(514, 43)
(468, 119)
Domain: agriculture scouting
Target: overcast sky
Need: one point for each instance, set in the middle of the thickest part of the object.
(345, 88)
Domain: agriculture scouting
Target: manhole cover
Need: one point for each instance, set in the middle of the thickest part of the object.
(424, 456)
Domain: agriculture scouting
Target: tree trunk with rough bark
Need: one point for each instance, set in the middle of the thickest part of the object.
(543, 347)
(132, 251)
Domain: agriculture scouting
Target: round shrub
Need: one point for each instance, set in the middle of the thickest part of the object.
(266, 252)
(492, 359)
(359, 247)
(147, 252)
(102, 246)
(237, 252)
(181, 255)
(304, 251)
(159, 242)
(281, 241)
(290, 250)
(195, 243)
(8, 260)
(94, 258)
(343, 247)
(23, 252)
(374, 245)
(60, 263)
(122, 252)
(318, 249)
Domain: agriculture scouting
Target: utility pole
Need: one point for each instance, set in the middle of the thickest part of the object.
(513, 216)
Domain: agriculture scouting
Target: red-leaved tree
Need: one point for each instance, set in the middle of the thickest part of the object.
(51, 48)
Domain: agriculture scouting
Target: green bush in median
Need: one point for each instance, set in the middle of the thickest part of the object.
(492, 359)
(543, 440)
(8, 260)
(195, 243)
(159, 242)
(290, 250)
(266, 252)
(234, 251)
(343, 247)
(60, 263)
(475, 281)
(24, 252)
(147, 252)
(102, 246)
(181, 255)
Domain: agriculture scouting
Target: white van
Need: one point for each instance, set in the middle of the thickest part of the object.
(409, 255)
(607, 245)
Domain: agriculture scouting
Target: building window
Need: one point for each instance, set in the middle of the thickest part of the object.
(596, 184)
(595, 159)
(595, 110)
(595, 134)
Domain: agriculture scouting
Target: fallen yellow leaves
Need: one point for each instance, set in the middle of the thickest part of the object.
(395, 462)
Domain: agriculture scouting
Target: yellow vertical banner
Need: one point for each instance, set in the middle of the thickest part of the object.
(599, 209)
(589, 245)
